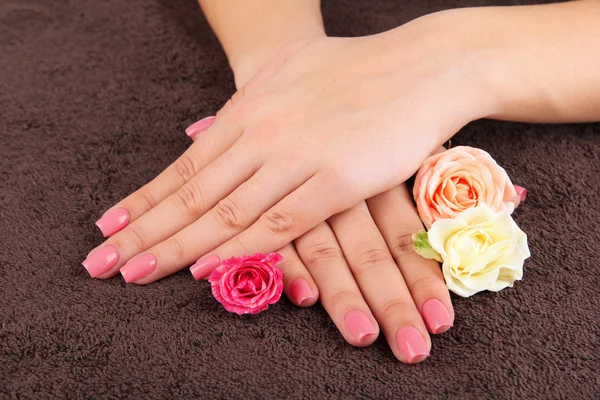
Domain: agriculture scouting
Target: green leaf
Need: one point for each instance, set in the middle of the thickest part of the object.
(423, 248)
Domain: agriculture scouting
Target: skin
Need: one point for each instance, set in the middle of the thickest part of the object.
(361, 114)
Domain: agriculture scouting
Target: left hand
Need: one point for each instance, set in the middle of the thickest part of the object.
(306, 139)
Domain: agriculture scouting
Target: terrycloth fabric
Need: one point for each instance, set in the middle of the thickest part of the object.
(94, 99)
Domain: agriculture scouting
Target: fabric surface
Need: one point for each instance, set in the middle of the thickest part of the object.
(94, 100)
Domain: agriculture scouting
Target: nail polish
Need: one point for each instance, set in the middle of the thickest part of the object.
(411, 343)
(359, 325)
(101, 261)
(138, 268)
(113, 221)
(200, 126)
(205, 266)
(300, 291)
(436, 316)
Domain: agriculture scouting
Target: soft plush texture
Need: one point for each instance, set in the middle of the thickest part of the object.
(94, 100)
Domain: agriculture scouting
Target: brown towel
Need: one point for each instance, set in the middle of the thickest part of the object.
(94, 98)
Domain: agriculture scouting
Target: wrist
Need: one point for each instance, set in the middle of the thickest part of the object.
(460, 39)
(247, 63)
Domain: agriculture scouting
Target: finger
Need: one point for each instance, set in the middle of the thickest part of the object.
(230, 216)
(194, 130)
(381, 284)
(298, 285)
(397, 220)
(293, 216)
(207, 147)
(340, 296)
(182, 208)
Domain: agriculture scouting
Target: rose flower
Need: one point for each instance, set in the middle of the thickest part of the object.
(247, 285)
(479, 250)
(458, 179)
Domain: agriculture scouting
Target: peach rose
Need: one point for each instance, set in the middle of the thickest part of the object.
(461, 178)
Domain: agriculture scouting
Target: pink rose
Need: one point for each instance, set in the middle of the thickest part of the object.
(453, 181)
(248, 284)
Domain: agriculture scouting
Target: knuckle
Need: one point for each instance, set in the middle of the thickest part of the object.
(370, 259)
(145, 196)
(401, 245)
(137, 236)
(339, 298)
(321, 253)
(229, 215)
(251, 109)
(177, 247)
(395, 307)
(279, 223)
(190, 201)
(237, 96)
(186, 168)
(425, 283)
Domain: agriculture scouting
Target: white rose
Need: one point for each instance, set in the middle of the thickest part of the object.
(480, 250)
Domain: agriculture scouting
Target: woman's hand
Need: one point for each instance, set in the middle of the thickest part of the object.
(335, 122)
(343, 272)
(369, 277)
(362, 264)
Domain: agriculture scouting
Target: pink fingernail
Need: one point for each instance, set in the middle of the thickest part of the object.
(101, 261)
(301, 291)
(205, 266)
(436, 316)
(521, 191)
(359, 325)
(412, 345)
(200, 126)
(138, 268)
(113, 221)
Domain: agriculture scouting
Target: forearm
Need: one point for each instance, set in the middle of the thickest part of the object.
(542, 63)
(252, 31)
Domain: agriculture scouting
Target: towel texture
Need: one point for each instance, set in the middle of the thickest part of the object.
(94, 100)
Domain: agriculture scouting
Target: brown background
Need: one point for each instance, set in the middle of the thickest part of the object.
(94, 98)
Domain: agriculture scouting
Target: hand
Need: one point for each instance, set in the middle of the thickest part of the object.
(347, 260)
(373, 244)
(344, 119)
(361, 286)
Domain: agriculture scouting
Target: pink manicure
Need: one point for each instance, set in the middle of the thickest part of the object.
(412, 345)
(301, 291)
(205, 266)
(101, 261)
(200, 126)
(359, 325)
(113, 221)
(436, 316)
(138, 268)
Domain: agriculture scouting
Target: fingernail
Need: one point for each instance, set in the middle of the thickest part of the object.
(113, 221)
(412, 345)
(138, 268)
(436, 316)
(359, 325)
(301, 291)
(101, 261)
(200, 126)
(205, 266)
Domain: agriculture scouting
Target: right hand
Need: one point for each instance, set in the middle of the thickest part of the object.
(362, 266)
(369, 278)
